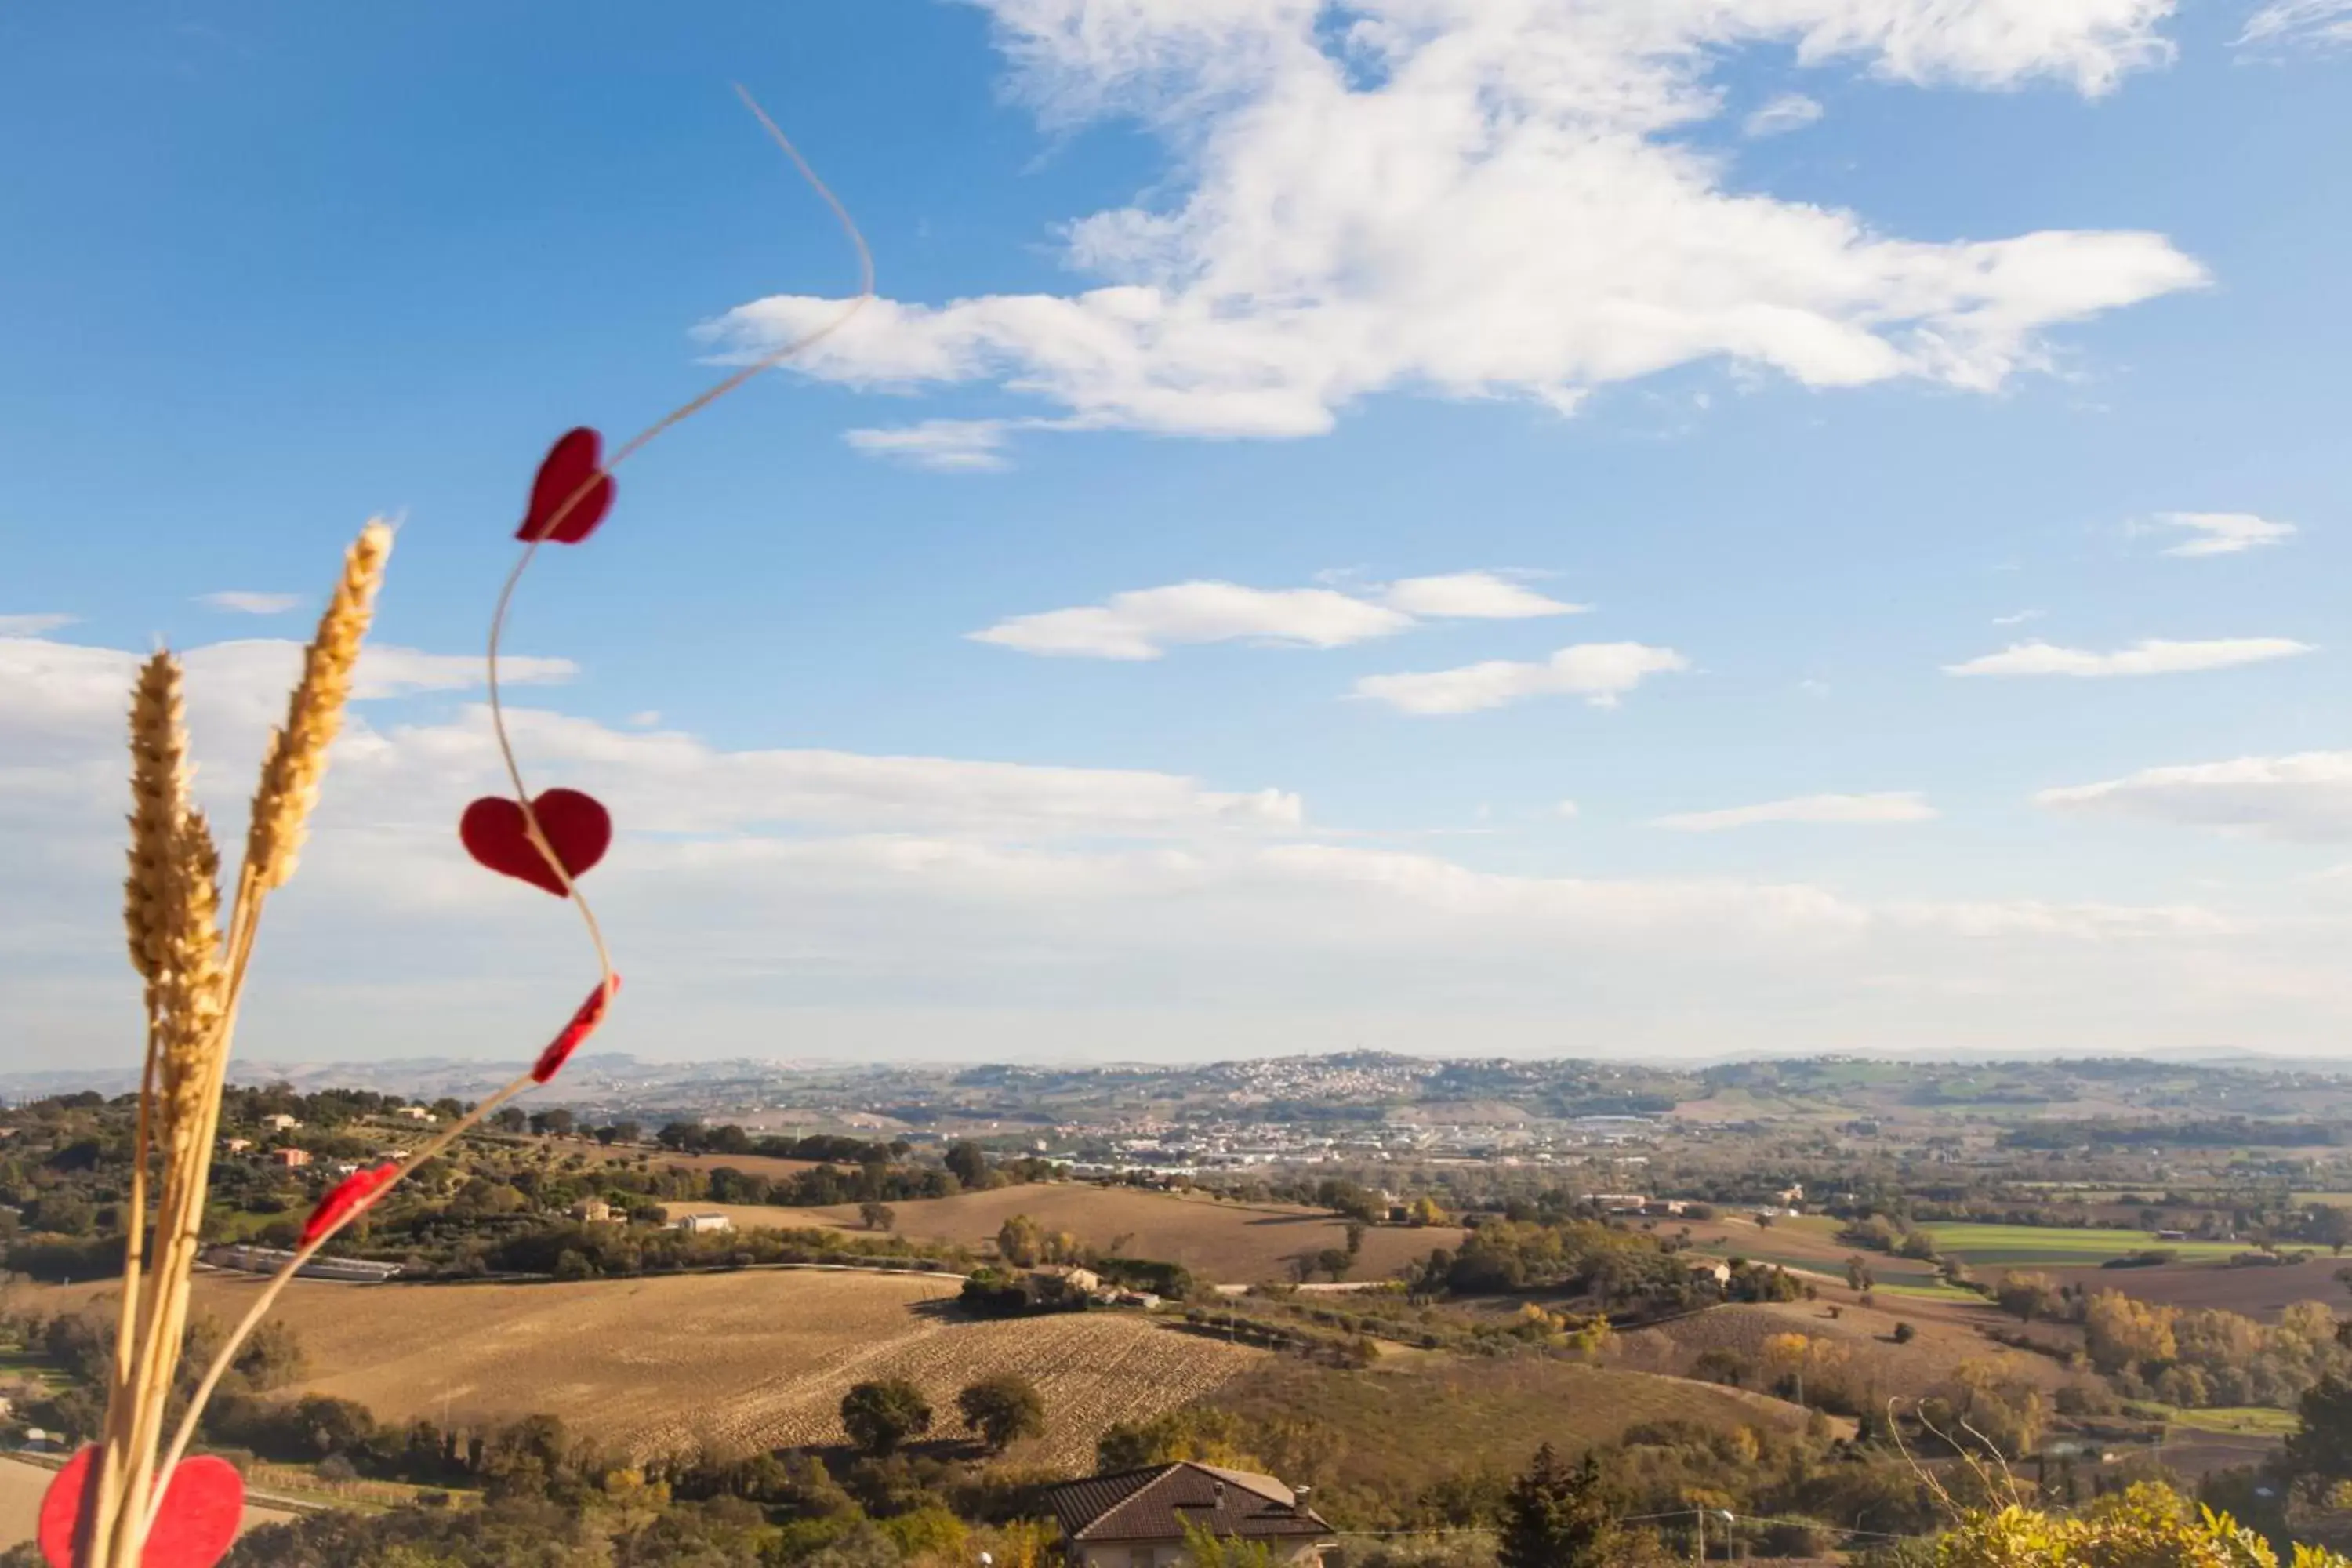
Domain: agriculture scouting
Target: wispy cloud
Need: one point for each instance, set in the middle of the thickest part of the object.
(2152, 656)
(1790, 111)
(1896, 806)
(1598, 672)
(1472, 597)
(1145, 623)
(943, 445)
(2311, 24)
(239, 602)
(2224, 532)
(32, 625)
(2307, 796)
(2019, 618)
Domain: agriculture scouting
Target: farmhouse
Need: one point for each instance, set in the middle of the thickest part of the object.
(591, 1210)
(1136, 1518)
(702, 1224)
(292, 1159)
(415, 1114)
(281, 1123)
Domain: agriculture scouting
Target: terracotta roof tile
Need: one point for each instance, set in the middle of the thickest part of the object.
(1155, 1504)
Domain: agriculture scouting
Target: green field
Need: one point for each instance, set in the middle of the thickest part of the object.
(1935, 1291)
(2239, 1420)
(2061, 1246)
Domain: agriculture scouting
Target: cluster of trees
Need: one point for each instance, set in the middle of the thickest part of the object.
(571, 1250)
(1622, 1270)
(883, 1417)
(2187, 1356)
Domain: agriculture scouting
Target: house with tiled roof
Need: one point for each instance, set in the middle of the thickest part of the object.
(1137, 1519)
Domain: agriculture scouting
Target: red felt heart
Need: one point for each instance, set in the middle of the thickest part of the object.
(201, 1508)
(584, 1024)
(571, 495)
(578, 830)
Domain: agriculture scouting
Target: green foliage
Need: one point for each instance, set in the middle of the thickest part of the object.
(882, 1416)
(1002, 1409)
(967, 1164)
(2147, 1526)
(2321, 1451)
(1559, 1516)
(1208, 1437)
(1206, 1549)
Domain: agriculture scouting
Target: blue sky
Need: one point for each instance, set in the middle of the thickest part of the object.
(1234, 359)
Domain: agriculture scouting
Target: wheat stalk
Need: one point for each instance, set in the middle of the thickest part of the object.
(194, 972)
(296, 758)
(159, 795)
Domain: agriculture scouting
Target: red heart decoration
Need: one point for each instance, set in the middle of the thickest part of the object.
(578, 830)
(570, 473)
(584, 1024)
(201, 1508)
(348, 1197)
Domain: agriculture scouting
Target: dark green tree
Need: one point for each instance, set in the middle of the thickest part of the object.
(1002, 1409)
(880, 1417)
(2321, 1451)
(1556, 1517)
(968, 1165)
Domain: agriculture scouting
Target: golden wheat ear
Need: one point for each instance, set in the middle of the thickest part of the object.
(296, 758)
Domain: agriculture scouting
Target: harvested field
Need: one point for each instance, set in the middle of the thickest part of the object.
(1220, 1242)
(755, 1358)
(1865, 1338)
(22, 1483)
(2255, 1292)
(1394, 1428)
(1807, 1242)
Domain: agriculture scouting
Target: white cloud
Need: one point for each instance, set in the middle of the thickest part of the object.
(2150, 657)
(1598, 672)
(239, 602)
(32, 625)
(2315, 24)
(1788, 112)
(1469, 198)
(1473, 595)
(1872, 809)
(2224, 532)
(2307, 796)
(1566, 808)
(1144, 624)
(2019, 618)
(944, 446)
(823, 903)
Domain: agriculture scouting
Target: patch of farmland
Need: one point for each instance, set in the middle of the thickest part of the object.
(1389, 1429)
(2253, 1292)
(2048, 1246)
(755, 1358)
(1220, 1242)
(1945, 1336)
